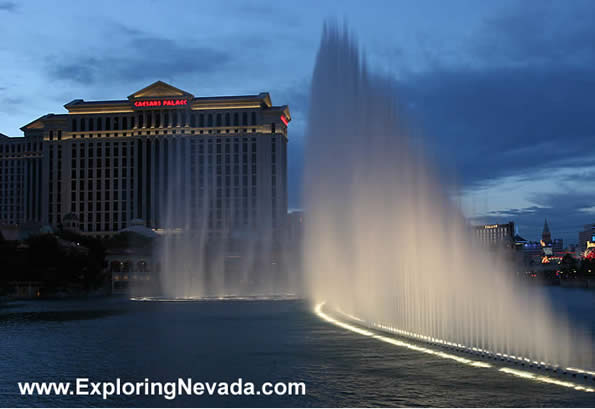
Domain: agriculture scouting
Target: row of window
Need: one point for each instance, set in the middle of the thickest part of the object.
(124, 134)
(157, 119)
(20, 147)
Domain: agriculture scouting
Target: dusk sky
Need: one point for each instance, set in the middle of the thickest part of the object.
(500, 92)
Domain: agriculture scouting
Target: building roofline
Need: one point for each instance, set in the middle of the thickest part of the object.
(158, 84)
(46, 116)
(158, 90)
(78, 102)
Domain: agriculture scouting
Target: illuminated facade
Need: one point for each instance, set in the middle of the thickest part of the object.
(586, 237)
(220, 162)
(494, 235)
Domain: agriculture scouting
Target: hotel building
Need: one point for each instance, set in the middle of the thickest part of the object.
(162, 156)
(493, 236)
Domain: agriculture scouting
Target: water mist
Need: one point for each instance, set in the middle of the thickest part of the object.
(384, 243)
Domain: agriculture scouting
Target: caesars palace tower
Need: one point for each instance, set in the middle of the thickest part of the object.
(162, 157)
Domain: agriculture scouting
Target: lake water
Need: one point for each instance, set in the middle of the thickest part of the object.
(258, 341)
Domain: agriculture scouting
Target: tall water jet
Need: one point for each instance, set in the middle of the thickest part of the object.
(220, 201)
(384, 243)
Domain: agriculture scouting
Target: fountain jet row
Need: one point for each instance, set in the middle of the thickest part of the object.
(385, 244)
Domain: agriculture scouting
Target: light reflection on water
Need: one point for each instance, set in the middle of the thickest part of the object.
(260, 341)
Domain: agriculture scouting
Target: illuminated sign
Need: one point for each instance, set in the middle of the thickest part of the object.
(161, 103)
(491, 226)
(284, 120)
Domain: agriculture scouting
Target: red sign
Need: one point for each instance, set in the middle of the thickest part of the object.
(161, 102)
(284, 120)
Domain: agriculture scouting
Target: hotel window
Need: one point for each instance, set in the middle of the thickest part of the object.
(82, 124)
(166, 119)
(140, 121)
(124, 123)
(253, 118)
(192, 120)
(98, 127)
(236, 119)
(244, 118)
(107, 124)
(73, 125)
(149, 119)
(158, 119)
(201, 120)
(51, 138)
(90, 124)
(209, 120)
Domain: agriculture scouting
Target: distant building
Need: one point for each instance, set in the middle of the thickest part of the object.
(586, 236)
(546, 236)
(557, 245)
(70, 222)
(20, 232)
(492, 236)
(533, 250)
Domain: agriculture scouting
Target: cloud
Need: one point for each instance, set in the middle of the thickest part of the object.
(11, 105)
(547, 34)
(519, 102)
(140, 57)
(567, 212)
(505, 121)
(517, 105)
(8, 6)
(531, 210)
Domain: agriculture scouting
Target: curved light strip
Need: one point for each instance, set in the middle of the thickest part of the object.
(478, 364)
(545, 379)
(230, 297)
(465, 348)
(396, 342)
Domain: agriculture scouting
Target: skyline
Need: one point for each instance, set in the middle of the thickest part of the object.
(498, 94)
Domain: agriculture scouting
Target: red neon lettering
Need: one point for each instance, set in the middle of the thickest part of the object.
(285, 121)
(164, 102)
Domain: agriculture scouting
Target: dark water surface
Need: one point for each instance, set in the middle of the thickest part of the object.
(258, 341)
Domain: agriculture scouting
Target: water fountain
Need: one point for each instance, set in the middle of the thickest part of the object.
(201, 256)
(197, 264)
(385, 245)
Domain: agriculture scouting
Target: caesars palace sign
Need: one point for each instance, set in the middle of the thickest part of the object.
(161, 102)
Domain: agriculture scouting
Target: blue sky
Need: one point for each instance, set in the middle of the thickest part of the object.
(500, 92)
